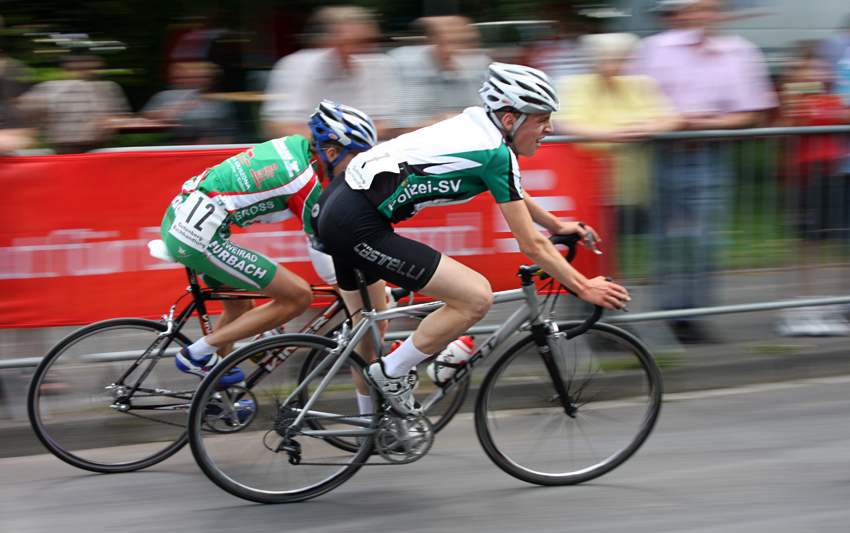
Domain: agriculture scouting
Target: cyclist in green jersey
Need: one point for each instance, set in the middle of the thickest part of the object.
(448, 162)
(269, 182)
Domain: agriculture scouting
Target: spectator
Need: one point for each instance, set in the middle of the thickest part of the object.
(210, 41)
(833, 50)
(561, 55)
(344, 66)
(197, 117)
(440, 79)
(818, 184)
(14, 80)
(616, 110)
(818, 188)
(80, 113)
(715, 82)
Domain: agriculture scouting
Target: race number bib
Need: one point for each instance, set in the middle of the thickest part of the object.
(364, 167)
(196, 220)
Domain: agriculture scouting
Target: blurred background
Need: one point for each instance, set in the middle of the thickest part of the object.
(138, 42)
(142, 46)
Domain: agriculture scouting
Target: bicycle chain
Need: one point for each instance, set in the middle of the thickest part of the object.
(166, 422)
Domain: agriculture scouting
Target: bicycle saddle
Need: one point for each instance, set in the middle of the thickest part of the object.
(158, 249)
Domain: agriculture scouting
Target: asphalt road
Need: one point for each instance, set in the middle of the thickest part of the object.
(770, 457)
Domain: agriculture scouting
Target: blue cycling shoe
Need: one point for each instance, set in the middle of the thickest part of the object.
(185, 363)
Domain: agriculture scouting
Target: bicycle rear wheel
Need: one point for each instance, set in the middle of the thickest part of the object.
(613, 399)
(87, 416)
(248, 460)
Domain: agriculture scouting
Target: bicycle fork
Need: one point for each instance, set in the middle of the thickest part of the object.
(542, 333)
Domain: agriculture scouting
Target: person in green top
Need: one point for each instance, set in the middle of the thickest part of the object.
(269, 182)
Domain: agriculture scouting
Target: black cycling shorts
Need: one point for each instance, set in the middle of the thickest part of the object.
(358, 236)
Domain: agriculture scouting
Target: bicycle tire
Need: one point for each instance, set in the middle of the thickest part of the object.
(68, 402)
(614, 386)
(439, 415)
(245, 463)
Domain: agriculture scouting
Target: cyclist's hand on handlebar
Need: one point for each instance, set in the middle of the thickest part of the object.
(609, 295)
(584, 230)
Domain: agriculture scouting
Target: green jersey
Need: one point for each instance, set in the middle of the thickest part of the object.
(271, 182)
(449, 162)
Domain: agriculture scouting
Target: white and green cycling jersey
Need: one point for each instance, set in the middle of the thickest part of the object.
(270, 182)
(449, 162)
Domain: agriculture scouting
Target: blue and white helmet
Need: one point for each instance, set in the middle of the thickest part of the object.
(350, 127)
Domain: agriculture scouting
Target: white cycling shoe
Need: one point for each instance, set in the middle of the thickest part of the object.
(397, 391)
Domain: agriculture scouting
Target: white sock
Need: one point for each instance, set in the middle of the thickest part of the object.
(364, 403)
(201, 349)
(404, 358)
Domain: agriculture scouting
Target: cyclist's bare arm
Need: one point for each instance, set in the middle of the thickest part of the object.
(536, 247)
(555, 225)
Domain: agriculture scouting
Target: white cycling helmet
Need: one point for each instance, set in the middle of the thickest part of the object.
(525, 89)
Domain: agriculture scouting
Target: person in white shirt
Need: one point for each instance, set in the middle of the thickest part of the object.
(440, 78)
(344, 65)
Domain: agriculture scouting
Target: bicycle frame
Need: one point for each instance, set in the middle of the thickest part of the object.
(529, 312)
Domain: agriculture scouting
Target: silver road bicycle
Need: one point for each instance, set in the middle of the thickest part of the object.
(565, 403)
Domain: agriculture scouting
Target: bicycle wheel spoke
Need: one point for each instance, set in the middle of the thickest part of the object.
(613, 398)
(86, 416)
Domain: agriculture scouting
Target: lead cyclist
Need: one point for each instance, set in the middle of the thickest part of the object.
(448, 162)
(269, 182)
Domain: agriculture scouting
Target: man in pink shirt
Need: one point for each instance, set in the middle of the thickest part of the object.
(716, 82)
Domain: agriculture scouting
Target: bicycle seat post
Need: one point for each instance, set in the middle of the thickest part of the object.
(364, 290)
(368, 310)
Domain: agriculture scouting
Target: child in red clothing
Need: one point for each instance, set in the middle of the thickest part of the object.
(819, 190)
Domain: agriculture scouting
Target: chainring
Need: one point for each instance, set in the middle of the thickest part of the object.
(230, 410)
(402, 440)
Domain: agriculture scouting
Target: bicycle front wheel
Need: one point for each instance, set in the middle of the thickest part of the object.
(91, 405)
(267, 457)
(613, 396)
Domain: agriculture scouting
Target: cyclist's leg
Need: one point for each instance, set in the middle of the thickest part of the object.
(229, 264)
(468, 298)
(467, 295)
(232, 310)
(291, 295)
(365, 348)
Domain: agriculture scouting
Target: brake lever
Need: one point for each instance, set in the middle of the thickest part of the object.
(591, 242)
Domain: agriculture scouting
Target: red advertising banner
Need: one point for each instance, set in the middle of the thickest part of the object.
(74, 248)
